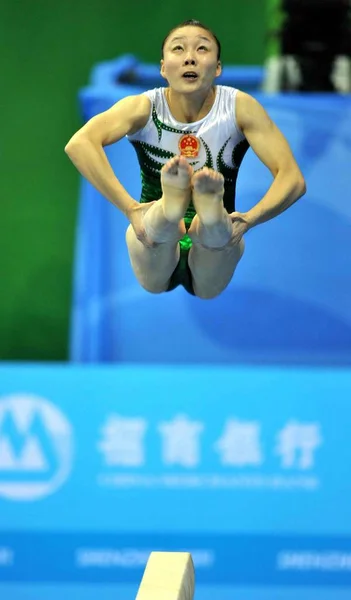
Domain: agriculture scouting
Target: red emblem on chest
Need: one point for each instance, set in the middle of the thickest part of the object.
(189, 145)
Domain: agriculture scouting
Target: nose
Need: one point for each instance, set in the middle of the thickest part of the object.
(190, 60)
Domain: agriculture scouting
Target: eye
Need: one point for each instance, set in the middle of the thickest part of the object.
(203, 48)
(178, 47)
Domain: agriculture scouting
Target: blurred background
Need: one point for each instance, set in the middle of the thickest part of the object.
(131, 422)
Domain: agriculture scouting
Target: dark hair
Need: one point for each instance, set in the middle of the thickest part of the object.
(194, 23)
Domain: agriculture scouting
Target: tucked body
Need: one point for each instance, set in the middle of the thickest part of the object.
(190, 138)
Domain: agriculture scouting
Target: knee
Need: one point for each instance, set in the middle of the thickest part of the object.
(206, 294)
(152, 289)
(148, 282)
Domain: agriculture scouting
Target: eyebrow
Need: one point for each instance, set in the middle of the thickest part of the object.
(182, 37)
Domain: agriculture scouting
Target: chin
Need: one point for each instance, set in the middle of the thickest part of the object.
(195, 86)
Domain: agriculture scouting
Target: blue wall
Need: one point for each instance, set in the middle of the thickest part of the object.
(289, 302)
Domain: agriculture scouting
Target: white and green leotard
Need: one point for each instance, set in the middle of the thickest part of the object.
(215, 142)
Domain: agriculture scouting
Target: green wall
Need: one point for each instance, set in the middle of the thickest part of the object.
(48, 49)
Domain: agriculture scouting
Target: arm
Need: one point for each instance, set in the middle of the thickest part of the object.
(85, 148)
(271, 147)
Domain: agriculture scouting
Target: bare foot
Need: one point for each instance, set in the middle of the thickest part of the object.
(208, 195)
(175, 179)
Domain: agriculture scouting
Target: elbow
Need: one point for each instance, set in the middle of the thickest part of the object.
(295, 179)
(69, 147)
(301, 186)
(298, 183)
(75, 144)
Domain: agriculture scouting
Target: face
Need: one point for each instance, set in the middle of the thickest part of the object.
(190, 50)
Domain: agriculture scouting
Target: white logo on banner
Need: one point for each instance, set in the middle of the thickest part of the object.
(241, 461)
(35, 447)
(181, 441)
(240, 443)
(122, 441)
(297, 443)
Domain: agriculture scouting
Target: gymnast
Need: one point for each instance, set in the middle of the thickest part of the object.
(190, 138)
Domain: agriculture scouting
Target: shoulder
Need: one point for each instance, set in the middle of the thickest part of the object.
(246, 103)
(249, 111)
(240, 101)
(137, 105)
(140, 103)
(136, 110)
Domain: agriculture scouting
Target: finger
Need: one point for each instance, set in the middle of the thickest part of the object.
(146, 207)
(146, 241)
(141, 237)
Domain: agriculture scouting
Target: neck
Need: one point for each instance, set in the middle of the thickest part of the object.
(191, 107)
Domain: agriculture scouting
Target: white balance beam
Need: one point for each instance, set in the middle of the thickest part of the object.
(168, 576)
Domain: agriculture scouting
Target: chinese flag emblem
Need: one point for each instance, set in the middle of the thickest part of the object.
(189, 145)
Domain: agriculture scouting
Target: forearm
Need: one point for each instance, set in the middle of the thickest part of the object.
(91, 161)
(285, 190)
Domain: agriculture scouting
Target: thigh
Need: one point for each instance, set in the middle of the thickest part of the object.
(153, 267)
(212, 270)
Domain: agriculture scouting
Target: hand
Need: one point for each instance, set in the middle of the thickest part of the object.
(136, 218)
(240, 226)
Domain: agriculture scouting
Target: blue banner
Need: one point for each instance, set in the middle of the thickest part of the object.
(247, 560)
(246, 468)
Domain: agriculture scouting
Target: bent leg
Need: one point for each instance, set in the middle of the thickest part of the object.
(152, 267)
(213, 269)
(164, 226)
(213, 257)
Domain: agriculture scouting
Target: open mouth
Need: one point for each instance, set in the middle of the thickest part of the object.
(190, 76)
